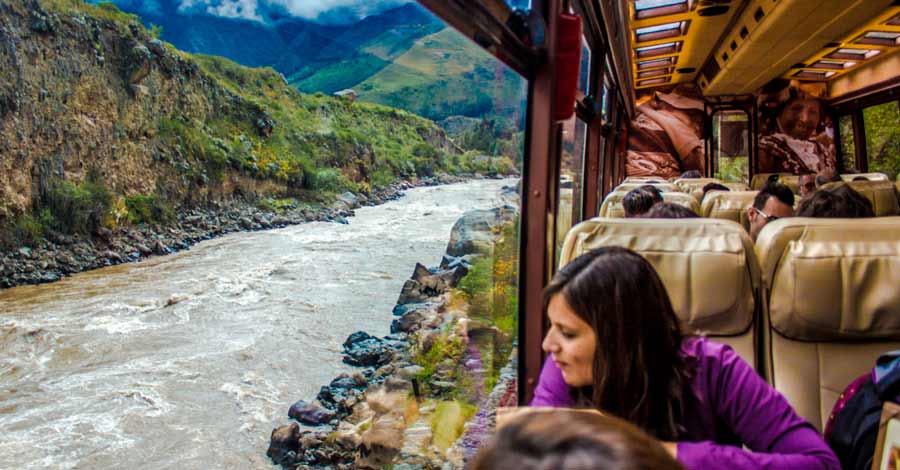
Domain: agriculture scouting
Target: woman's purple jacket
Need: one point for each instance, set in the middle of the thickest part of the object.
(731, 406)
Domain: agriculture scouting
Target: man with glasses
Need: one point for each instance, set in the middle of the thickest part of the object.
(807, 183)
(774, 201)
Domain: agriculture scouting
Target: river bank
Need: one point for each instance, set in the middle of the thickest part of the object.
(61, 255)
(422, 398)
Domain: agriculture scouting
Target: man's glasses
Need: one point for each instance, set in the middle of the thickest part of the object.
(770, 218)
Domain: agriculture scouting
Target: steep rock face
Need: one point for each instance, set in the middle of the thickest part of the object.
(81, 93)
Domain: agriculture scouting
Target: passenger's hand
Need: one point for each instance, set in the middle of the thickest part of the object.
(671, 448)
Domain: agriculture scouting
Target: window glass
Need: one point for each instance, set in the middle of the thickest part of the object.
(848, 145)
(731, 146)
(584, 79)
(602, 164)
(882, 124)
(519, 4)
(571, 177)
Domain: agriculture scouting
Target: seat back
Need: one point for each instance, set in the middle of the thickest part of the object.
(708, 266)
(729, 205)
(661, 186)
(831, 305)
(683, 199)
(643, 180)
(737, 186)
(867, 176)
(883, 195)
(792, 181)
(612, 205)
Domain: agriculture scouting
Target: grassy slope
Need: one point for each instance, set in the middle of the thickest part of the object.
(444, 74)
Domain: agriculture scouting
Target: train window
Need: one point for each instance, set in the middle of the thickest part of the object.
(731, 145)
(848, 145)
(882, 129)
(584, 79)
(571, 177)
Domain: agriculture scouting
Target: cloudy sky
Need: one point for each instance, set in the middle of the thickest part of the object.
(260, 10)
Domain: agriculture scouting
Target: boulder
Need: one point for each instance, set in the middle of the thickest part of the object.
(381, 442)
(284, 444)
(477, 231)
(362, 349)
(308, 413)
(138, 66)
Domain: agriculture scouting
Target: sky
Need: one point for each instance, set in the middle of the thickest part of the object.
(260, 10)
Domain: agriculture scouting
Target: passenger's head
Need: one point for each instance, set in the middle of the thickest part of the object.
(616, 339)
(807, 184)
(860, 178)
(691, 174)
(639, 200)
(668, 210)
(836, 201)
(714, 187)
(773, 202)
(572, 440)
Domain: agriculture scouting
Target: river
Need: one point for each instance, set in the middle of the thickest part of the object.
(189, 360)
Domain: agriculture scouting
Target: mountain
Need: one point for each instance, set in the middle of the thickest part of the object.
(402, 57)
(95, 111)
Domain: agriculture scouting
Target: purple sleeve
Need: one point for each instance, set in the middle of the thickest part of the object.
(761, 417)
(551, 389)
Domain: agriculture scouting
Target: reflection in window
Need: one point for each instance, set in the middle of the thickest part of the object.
(571, 177)
(519, 4)
(584, 79)
(731, 146)
(848, 145)
(882, 129)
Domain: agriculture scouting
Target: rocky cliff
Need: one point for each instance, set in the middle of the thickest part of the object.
(91, 103)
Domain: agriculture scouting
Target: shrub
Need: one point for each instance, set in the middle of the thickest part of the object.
(148, 209)
(77, 208)
(26, 230)
(329, 180)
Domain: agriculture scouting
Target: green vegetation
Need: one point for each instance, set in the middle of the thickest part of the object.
(445, 346)
(882, 123)
(279, 206)
(103, 10)
(148, 209)
(490, 290)
(77, 208)
(733, 169)
(26, 230)
(448, 422)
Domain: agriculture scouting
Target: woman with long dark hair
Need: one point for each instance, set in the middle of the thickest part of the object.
(615, 345)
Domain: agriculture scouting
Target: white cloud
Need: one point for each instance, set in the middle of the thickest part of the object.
(309, 9)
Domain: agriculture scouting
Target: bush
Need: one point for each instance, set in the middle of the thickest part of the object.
(77, 208)
(26, 230)
(329, 180)
(148, 209)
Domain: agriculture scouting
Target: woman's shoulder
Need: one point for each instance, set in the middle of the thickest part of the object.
(707, 353)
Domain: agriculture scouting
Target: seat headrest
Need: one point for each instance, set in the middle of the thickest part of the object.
(832, 279)
(644, 180)
(693, 182)
(792, 181)
(708, 266)
(664, 187)
(737, 186)
(612, 205)
(882, 194)
(729, 205)
(683, 199)
(868, 176)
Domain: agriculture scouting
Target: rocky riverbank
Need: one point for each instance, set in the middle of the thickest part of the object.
(422, 398)
(59, 255)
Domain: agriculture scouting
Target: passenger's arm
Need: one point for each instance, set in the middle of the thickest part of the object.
(551, 389)
(762, 418)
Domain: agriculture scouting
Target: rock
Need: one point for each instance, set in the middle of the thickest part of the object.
(157, 47)
(381, 442)
(138, 66)
(308, 413)
(246, 223)
(25, 252)
(284, 444)
(408, 323)
(349, 199)
(362, 349)
(341, 220)
(143, 249)
(477, 231)
(160, 248)
(411, 372)
(112, 256)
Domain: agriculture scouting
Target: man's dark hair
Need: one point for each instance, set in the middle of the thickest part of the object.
(836, 201)
(776, 190)
(639, 200)
(691, 174)
(657, 193)
(715, 187)
(860, 178)
(668, 210)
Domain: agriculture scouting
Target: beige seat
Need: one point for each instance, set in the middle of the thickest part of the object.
(787, 179)
(831, 305)
(643, 180)
(868, 176)
(708, 267)
(683, 199)
(729, 205)
(688, 184)
(737, 186)
(625, 187)
(883, 195)
(612, 205)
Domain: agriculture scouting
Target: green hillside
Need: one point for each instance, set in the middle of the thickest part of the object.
(445, 74)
